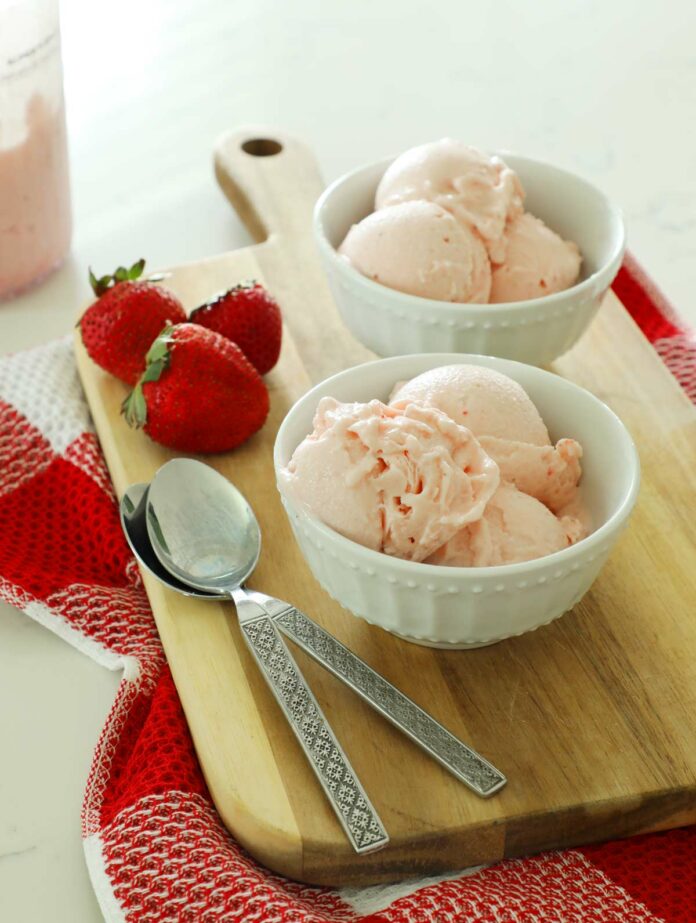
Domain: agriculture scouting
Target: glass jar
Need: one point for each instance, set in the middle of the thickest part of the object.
(35, 222)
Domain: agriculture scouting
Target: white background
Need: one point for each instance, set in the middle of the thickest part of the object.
(606, 88)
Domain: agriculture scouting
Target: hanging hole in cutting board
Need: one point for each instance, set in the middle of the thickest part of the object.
(262, 147)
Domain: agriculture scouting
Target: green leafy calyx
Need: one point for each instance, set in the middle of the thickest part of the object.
(101, 285)
(134, 408)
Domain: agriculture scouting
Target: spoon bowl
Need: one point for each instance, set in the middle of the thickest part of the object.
(132, 510)
(201, 527)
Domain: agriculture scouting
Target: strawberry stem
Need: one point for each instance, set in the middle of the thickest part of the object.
(134, 408)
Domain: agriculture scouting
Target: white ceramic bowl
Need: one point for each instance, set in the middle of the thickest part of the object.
(467, 606)
(536, 331)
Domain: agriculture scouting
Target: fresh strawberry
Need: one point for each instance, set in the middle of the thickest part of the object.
(119, 327)
(199, 392)
(249, 316)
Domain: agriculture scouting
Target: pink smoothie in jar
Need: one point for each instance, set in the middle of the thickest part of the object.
(35, 223)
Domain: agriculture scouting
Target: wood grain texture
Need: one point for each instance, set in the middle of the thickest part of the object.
(591, 717)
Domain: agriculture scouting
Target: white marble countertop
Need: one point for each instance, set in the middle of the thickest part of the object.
(607, 90)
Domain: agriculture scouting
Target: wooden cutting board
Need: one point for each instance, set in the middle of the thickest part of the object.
(592, 718)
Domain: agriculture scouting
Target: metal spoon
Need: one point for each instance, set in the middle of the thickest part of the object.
(459, 759)
(204, 533)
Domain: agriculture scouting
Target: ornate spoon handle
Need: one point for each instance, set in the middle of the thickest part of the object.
(463, 762)
(330, 764)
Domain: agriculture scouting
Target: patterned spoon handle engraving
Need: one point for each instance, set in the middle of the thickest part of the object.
(337, 777)
(463, 762)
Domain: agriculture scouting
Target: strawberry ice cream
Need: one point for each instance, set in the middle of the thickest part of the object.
(548, 473)
(449, 224)
(400, 481)
(481, 192)
(538, 262)
(458, 469)
(420, 249)
(487, 402)
(507, 425)
(514, 527)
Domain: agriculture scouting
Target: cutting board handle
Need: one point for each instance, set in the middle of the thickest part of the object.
(272, 179)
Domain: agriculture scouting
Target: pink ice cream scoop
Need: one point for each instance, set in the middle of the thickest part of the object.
(515, 527)
(487, 402)
(507, 424)
(402, 481)
(549, 473)
(481, 192)
(420, 249)
(538, 262)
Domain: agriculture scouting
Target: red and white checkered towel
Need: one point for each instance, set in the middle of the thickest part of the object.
(155, 847)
